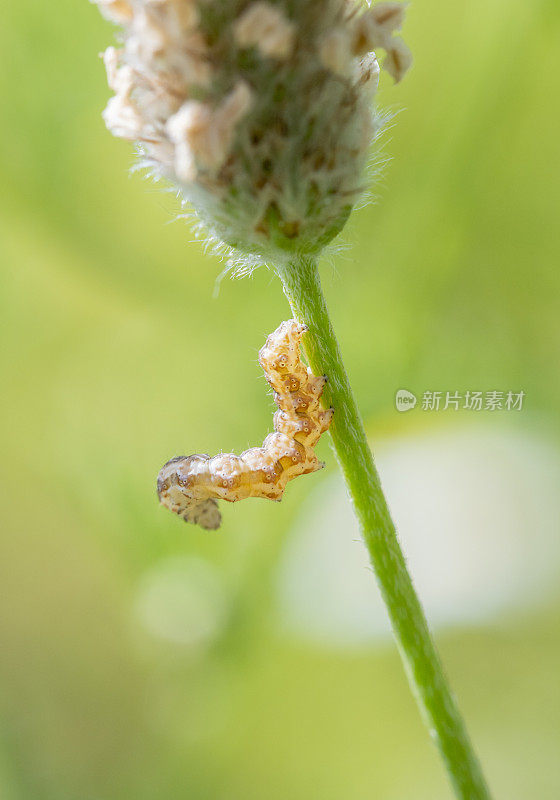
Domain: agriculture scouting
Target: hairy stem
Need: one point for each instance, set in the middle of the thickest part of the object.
(425, 673)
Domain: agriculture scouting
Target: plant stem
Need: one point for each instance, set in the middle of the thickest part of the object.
(439, 709)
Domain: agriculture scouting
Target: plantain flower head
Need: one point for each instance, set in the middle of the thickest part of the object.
(259, 111)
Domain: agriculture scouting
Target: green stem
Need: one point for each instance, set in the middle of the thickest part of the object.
(439, 709)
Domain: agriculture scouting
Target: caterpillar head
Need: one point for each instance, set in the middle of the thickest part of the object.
(175, 487)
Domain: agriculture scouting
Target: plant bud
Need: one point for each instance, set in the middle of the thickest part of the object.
(261, 113)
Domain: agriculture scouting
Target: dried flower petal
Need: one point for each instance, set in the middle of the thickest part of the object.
(388, 16)
(265, 26)
(398, 60)
(375, 28)
(335, 52)
(119, 11)
(203, 136)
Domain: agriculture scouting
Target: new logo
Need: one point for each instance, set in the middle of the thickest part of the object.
(405, 400)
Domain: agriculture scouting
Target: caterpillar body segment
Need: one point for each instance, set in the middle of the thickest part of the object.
(190, 486)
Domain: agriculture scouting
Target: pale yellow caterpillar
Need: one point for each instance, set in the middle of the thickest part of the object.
(190, 486)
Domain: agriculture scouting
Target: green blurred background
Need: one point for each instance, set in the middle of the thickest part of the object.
(117, 678)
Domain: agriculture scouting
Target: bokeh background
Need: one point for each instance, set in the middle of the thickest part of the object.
(140, 658)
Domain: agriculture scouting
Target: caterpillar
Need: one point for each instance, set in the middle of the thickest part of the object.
(190, 486)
